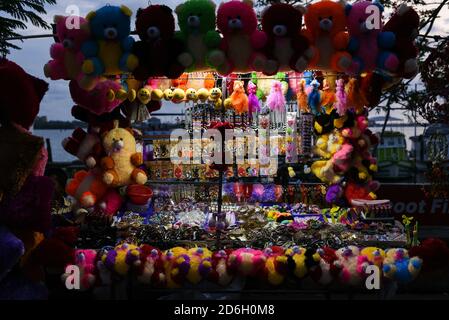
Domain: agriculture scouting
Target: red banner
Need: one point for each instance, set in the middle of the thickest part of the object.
(411, 200)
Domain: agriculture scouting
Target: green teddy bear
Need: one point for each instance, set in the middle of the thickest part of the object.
(196, 20)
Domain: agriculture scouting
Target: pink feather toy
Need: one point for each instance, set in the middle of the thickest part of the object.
(341, 103)
(276, 99)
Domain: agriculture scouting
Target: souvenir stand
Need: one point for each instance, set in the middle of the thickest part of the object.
(299, 213)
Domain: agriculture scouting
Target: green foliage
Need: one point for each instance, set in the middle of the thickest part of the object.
(15, 14)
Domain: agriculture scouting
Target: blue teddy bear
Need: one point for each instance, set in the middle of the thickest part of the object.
(109, 52)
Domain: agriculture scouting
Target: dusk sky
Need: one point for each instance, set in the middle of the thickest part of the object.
(35, 52)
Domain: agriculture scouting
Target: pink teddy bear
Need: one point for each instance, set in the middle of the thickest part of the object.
(85, 260)
(368, 45)
(66, 54)
(242, 42)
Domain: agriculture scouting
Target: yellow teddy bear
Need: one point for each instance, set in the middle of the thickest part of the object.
(120, 166)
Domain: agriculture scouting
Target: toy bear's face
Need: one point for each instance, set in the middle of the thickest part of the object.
(361, 15)
(71, 38)
(282, 20)
(155, 22)
(110, 23)
(119, 140)
(236, 17)
(325, 17)
(196, 16)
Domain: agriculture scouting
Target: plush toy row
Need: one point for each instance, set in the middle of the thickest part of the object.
(337, 36)
(178, 266)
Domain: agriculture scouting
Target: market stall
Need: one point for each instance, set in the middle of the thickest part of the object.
(200, 209)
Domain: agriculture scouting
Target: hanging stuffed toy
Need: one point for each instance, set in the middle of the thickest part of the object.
(209, 81)
(294, 78)
(157, 49)
(215, 95)
(369, 46)
(239, 99)
(109, 51)
(286, 49)
(66, 54)
(326, 30)
(253, 101)
(121, 165)
(328, 97)
(314, 97)
(301, 97)
(179, 96)
(191, 95)
(181, 82)
(276, 102)
(102, 99)
(203, 94)
(405, 24)
(86, 146)
(356, 99)
(341, 103)
(196, 20)
(276, 99)
(242, 41)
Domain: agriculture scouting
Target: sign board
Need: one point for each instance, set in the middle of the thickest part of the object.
(410, 199)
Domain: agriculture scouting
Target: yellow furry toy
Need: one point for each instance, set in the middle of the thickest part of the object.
(121, 165)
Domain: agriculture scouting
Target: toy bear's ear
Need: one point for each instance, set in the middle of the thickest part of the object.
(348, 9)
(58, 18)
(249, 3)
(166, 9)
(179, 8)
(126, 11)
(301, 9)
(116, 124)
(213, 4)
(130, 131)
(91, 15)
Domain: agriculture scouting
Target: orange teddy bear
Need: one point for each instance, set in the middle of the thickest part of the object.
(86, 187)
(326, 30)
